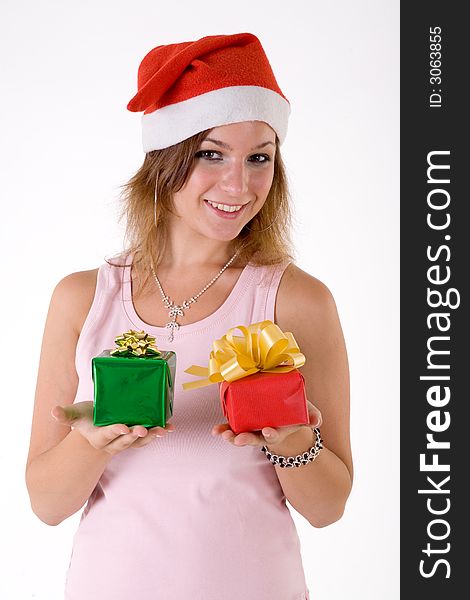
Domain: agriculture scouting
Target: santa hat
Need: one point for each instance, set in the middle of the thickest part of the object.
(187, 88)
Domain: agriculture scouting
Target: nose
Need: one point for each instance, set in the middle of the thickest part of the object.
(235, 179)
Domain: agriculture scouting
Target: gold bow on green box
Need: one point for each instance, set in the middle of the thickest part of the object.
(135, 343)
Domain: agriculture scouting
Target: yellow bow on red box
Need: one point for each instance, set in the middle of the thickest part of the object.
(262, 347)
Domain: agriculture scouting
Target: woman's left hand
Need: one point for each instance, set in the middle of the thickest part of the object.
(268, 435)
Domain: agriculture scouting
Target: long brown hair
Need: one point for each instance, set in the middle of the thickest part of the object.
(265, 239)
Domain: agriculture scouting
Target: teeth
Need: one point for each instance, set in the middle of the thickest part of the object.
(224, 207)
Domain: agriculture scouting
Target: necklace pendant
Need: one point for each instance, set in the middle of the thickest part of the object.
(175, 310)
(172, 326)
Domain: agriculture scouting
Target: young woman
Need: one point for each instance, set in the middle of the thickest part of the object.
(192, 510)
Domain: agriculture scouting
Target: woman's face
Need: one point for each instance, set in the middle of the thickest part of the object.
(232, 175)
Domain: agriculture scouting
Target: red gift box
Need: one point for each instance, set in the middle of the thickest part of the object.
(265, 400)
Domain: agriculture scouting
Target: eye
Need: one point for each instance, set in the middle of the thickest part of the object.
(210, 155)
(260, 158)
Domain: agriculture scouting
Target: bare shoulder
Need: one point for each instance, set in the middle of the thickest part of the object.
(303, 300)
(57, 378)
(74, 294)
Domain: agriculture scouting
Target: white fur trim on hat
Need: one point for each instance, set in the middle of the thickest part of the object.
(177, 122)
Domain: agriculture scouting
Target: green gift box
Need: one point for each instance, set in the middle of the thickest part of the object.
(133, 386)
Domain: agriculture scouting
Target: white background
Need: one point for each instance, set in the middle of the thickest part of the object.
(68, 142)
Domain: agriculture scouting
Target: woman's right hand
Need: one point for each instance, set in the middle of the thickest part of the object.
(110, 438)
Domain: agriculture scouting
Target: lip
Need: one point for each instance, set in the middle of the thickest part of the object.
(225, 215)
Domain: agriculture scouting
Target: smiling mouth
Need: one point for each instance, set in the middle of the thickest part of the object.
(229, 208)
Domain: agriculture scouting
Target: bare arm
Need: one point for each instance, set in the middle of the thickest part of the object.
(318, 490)
(67, 453)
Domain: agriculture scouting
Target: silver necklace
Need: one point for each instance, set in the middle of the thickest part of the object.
(177, 310)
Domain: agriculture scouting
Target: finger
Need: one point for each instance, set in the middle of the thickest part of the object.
(153, 433)
(277, 436)
(135, 437)
(100, 437)
(123, 442)
(160, 431)
(67, 415)
(145, 436)
(220, 428)
(249, 439)
(139, 430)
(141, 442)
(110, 432)
(315, 416)
(228, 435)
(269, 433)
(59, 415)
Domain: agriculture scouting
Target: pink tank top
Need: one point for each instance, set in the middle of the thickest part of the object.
(190, 516)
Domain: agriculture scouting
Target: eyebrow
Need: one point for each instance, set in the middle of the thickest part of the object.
(227, 147)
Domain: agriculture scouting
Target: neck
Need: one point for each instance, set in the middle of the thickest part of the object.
(193, 252)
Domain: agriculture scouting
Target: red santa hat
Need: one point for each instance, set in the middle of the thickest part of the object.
(187, 88)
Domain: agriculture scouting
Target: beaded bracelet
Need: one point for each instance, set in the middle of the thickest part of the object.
(299, 460)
